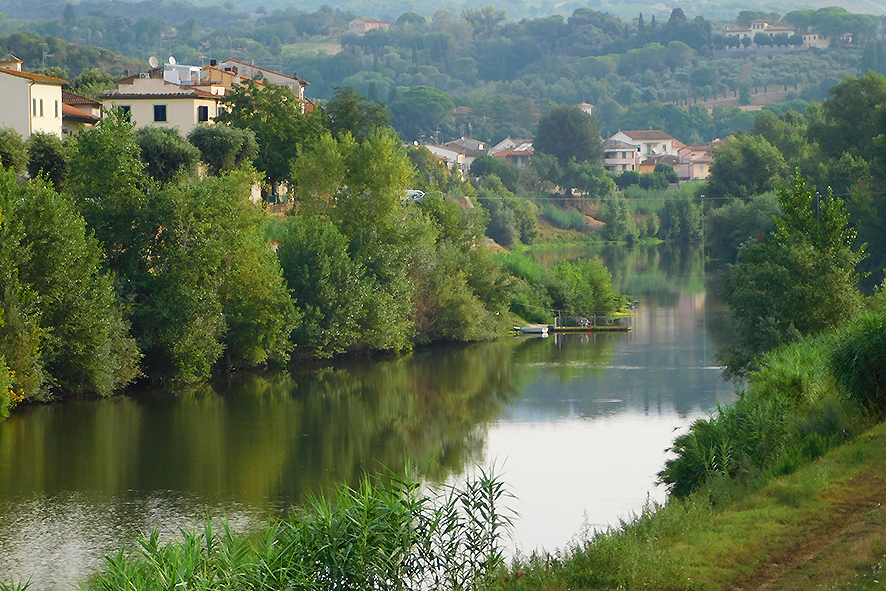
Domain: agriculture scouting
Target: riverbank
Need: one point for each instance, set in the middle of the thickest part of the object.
(821, 527)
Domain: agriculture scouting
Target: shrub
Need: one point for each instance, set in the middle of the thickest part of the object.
(859, 361)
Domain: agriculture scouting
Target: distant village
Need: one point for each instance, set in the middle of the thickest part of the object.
(182, 96)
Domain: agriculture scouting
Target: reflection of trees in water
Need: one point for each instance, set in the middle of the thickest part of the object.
(258, 439)
(656, 273)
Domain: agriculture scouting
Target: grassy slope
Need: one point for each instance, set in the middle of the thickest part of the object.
(823, 527)
(820, 527)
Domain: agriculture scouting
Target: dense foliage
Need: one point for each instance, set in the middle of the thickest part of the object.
(800, 280)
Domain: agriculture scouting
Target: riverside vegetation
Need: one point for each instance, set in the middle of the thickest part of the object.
(120, 263)
(188, 251)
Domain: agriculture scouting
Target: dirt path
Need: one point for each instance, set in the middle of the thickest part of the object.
(843, 543)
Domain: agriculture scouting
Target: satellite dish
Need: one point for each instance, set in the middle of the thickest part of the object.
(171, 61)
(153, 61)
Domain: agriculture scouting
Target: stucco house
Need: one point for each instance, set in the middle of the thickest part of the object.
(695, 161)
(519, 156)
(619, 156)
(31, 102)
(361, 26)
(240, 70)
(154, 101)
(507, 144)
(648, 165)
(649, 142)
(453, 158)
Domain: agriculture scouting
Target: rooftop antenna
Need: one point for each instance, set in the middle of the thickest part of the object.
(171, 61)
(153, 61)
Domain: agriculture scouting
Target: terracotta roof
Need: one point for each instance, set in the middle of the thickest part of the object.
(514, 152)
(69, 112)
(34, 77)
(10, 58)
(69, 98)
(647, 134)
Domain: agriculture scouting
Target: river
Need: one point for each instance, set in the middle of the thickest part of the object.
(576, 425)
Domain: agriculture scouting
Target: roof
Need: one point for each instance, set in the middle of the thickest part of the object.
(665, 158)
(646, 134)
(194, 93)
(305, 82)
(611, 144)
(34, 77)
(69, 98)
(514, 152)
(69, 112)
(10, 58)
(369, 20)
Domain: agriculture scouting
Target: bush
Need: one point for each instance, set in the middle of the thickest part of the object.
(859, 362)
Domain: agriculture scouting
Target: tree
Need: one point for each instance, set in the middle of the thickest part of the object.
(568, 133)
(165, 152)
(800, 280)
(91, 82)
(419, 111)
(223, 148)
(65, 307)
(275, 115)
(350, 111)
(13, 150)
(745, 166)
(47, 155)
(853, 117)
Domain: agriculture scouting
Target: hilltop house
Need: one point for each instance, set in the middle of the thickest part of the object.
(361, 26)
(31, 102)
(695, 161)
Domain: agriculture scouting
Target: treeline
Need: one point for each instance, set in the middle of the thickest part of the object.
(120, 262)
(638, 73)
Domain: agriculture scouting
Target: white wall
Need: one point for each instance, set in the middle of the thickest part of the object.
(16, 112)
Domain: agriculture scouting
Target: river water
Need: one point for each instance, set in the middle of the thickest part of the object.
(576, 425)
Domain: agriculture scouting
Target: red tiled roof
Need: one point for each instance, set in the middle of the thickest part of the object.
(69, 112)
(69, 98)
(34, 77)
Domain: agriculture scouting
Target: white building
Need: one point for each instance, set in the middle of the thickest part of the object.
(649, 142)
(31, 102)
(151, 99)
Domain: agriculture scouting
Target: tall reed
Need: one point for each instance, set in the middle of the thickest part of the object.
(385, 534)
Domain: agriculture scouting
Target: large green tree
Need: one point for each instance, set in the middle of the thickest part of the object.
(275, 115)
(166, 153)
(420, 111)
(58, 300)
(745, 166)
(568, 133)
(223, 148)
(800, 280)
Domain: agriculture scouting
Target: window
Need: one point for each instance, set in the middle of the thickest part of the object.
(159, 112)
(56, 109)
(34, 107)
(202, 113)
(41, 107)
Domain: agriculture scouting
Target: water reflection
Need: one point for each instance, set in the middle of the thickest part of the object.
(580, 423)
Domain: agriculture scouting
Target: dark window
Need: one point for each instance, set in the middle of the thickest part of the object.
(202, 113)
(159, 112)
